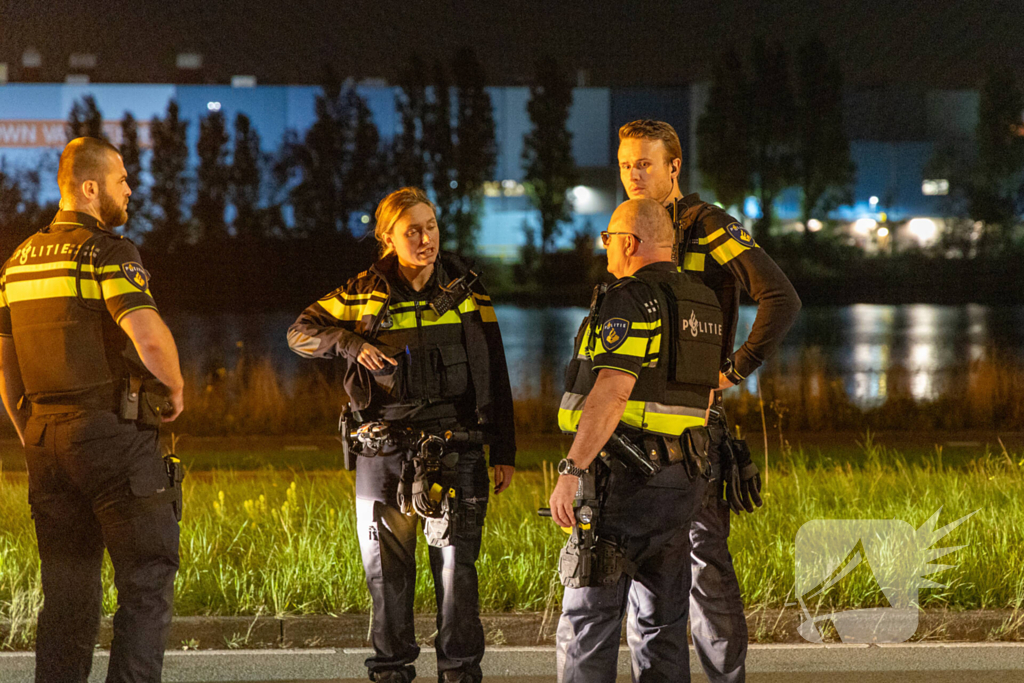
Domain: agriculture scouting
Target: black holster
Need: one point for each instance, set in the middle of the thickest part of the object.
(144, 401)
(175, 475)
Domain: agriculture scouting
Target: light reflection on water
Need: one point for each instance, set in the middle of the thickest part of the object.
(860, 344)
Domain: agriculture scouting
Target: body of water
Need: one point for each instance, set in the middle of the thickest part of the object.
(860, 344)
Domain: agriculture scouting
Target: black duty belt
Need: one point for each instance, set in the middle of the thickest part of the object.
(39, 409)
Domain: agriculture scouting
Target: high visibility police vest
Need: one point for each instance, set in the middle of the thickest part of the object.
(62, 294)
(683, 350)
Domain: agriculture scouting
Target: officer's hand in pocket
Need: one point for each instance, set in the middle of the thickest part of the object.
(372, 358)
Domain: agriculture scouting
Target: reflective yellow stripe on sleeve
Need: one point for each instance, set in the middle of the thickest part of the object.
(352, 312)
(727, 251)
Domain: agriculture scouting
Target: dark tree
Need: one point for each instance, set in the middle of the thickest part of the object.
(336, 169)
(476, 153)
(410, 163)
(312, 167)
(362, 179)
(723, 133)
(547, 150)
(21, 210)
(213, 178)
(168, 167)
(825, 170)
(772, 129)
(441, 152)
(85, 120)
(246, 180)
(995, 192)
(131, 153)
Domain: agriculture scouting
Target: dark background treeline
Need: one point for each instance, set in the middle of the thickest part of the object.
(228, 226)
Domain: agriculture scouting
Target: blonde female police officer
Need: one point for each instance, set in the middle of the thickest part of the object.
(408, 366)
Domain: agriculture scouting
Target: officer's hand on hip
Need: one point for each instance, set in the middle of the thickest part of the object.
(562, 499)
(177, 405)
(372, 358)
(502, 477)
(723, 384)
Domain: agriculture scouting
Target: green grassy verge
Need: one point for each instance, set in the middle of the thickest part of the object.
(283, 542)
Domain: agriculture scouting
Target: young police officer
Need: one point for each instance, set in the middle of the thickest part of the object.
(423, 355)
(71, 297)
(644, 362)
(723, 254)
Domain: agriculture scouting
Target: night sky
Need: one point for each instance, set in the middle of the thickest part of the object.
(929, 43)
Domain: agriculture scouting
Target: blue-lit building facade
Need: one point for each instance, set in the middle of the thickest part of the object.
(893, 135)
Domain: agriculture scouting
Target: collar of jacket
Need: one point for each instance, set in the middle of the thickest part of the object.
(447, 265)
(71, 220)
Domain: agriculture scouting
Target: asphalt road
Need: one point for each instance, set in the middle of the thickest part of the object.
(912, 663)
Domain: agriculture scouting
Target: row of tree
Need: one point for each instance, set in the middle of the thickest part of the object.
(327, 180)
(769, 127)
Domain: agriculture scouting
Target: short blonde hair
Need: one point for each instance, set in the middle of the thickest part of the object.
(391, 208)
(649, 129)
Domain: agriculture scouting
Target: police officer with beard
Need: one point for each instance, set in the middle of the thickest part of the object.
(89, 369)
(636, 392)
(423, 360)
(716, 248)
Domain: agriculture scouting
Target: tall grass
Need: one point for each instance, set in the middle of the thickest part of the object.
(252, 398)
(272, 542)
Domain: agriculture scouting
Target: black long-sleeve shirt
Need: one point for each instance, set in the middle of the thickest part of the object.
(726, 258)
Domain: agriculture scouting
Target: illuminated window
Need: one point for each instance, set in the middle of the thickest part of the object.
(935, 188)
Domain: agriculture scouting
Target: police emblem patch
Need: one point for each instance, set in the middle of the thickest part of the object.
(136, 274)
(614, 333)
(741, 234)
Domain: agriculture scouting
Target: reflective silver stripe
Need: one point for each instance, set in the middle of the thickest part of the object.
(571, 401)
(661, 408)
(302, 344)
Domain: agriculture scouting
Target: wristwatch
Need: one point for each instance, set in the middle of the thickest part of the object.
(566, 466)
(729, 370)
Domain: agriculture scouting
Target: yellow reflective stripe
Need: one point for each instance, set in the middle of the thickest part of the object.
(633, 346)
(61, 265)
(41, 267)
(468, 305)
(132, 310)
(655, 348)
(662, 419)
(50, 288)
(119, 286)
(727, 251)
(487, 314)
(647, 326)
(406, 321)
(360, 298)
(694, 262)
(570, 410)
(355, 312)
(712, 237)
